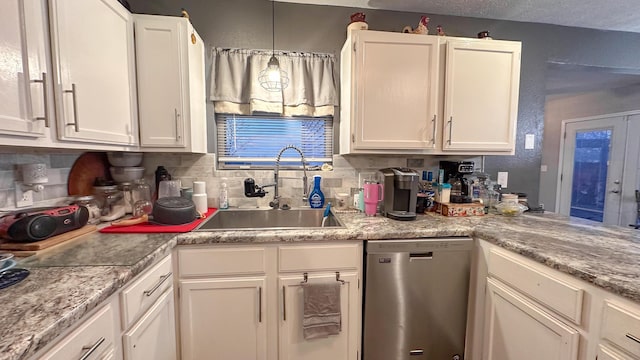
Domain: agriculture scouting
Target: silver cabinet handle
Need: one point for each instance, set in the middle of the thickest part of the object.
(284, 304)
(615, 191)
(416, 352)
(450, 129)
(433, 133)
(176, 116)
(46, 100)
(163, 278)
(73, 93)
(91, 349)
(260, 304)
(634, 338)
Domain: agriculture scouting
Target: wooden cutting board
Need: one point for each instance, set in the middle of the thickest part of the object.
(16, 247)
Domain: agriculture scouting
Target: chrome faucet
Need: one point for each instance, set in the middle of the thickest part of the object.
(275, 203)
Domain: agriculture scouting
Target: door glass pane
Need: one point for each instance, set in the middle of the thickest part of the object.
(590, 167)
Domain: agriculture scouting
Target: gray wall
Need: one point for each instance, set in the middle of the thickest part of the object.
(247, 24)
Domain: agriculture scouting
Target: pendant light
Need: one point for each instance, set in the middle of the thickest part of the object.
(273, 78)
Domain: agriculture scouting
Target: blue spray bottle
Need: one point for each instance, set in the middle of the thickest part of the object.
(316, 197)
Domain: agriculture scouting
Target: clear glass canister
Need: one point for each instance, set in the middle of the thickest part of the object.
(92, 204)
(127, 192)
(141, 191)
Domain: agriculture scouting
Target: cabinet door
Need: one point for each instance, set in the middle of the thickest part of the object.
(160, 43)
(481, 95)
(516, 329)
(92, 43)
(22, 68)
(293, 346)
(154, 336)
(223, 319)
(395, 83)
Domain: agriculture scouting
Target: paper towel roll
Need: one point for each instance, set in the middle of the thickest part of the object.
(200, 200)
(199, 187)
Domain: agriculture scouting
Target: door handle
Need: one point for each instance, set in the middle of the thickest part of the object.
(615, 191)
(46, 101)
(177, 119)
(91, 349)
(73, 93)
(284, 304)
(259, 304)
(433, 131)
(450, 129)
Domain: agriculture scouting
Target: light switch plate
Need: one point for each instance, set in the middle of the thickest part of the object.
(529, 141)
(503, 178)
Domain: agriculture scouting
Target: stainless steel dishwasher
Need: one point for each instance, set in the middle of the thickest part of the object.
(416, 295)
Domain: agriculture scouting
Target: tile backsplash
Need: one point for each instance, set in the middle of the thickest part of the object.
(347, 175)
(58, 166)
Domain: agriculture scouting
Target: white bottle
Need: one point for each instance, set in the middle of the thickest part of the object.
(224, 197)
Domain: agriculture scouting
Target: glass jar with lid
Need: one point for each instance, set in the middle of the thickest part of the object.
(93, 206)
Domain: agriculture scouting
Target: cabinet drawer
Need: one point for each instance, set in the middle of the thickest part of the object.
(605, 353)
(221, 261)
(621, 327)
(561, 297)
(143, 292)
(318, 257)
(95, 335)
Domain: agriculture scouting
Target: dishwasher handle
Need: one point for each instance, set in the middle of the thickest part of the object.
(421, 256)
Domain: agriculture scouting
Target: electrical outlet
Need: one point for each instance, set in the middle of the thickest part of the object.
(23, 198)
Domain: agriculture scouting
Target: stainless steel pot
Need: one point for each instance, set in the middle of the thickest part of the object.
(174, 210)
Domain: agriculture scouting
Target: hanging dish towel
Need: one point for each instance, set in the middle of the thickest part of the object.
(322, 315)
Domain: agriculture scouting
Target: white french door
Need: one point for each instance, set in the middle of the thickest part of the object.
(598, 157)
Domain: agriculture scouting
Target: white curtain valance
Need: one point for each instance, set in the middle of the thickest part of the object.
(235, 88)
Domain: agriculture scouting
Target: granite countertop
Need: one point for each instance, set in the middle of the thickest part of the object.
(69, 281)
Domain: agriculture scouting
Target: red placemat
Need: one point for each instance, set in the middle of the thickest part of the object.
(155, 228)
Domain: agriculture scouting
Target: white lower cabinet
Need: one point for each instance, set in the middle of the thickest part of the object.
(95, 338)
(524, 310)
(293, 346)
(245, 302)
(154, 336)
(148, 315)
(517, 329)
(223, 318)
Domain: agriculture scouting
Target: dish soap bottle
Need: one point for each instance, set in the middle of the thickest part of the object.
(316, 197)
(224, 197)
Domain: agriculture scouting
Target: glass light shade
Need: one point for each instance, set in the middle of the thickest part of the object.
(273, 78)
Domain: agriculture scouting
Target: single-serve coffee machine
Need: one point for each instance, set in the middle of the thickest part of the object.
(400, 187)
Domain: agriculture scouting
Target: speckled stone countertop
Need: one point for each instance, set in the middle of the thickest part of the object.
(69, 281)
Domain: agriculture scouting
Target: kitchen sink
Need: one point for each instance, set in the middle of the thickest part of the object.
(261, 219)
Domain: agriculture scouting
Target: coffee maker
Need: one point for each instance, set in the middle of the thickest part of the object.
(454, 173)
(400, 187)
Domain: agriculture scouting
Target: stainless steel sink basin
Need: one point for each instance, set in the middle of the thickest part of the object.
(263, 219)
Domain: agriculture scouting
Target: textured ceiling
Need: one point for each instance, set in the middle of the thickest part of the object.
(621, 15)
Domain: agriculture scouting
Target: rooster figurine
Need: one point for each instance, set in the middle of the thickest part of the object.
(420, 29)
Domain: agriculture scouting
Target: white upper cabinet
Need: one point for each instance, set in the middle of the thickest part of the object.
(393, 79)
(171, 89)
(422, 94)
(23, 70)
(481, 94)
(94, 66)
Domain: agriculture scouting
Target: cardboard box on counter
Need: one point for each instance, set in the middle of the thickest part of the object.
(451, 209)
